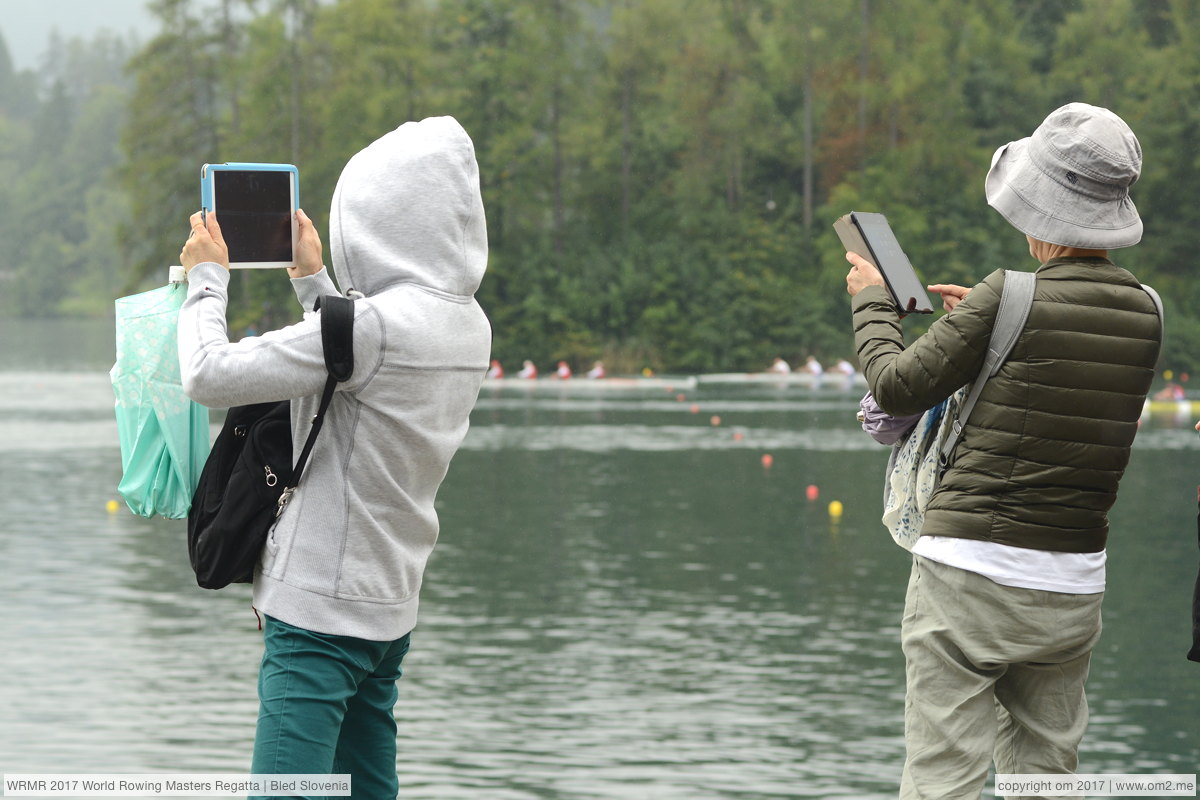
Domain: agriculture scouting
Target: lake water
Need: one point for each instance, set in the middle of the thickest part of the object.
(625, 602)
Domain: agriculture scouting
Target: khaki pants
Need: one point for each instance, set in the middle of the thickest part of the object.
(994, 672)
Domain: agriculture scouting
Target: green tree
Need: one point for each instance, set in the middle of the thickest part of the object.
(660, 175)
(61, 205)
(174, 126)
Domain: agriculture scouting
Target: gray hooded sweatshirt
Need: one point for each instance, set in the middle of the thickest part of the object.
(407, 230)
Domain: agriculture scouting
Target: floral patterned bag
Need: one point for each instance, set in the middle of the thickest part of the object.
(913, 471)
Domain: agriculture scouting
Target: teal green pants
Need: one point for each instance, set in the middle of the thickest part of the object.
(325, 707)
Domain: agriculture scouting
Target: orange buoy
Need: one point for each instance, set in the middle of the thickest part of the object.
(812, 492)
(767, 460)
(714, 420)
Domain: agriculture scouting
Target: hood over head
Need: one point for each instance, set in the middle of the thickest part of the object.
(407, 209)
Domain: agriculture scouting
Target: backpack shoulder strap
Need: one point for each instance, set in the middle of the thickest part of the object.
(1158, 306)
(1016, 299)
(1015, 303)
(337, 335)
(1157, 301)
(337, 341)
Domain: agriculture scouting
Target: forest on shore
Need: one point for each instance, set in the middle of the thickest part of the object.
(660, 176)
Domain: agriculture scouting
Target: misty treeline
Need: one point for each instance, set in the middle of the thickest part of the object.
(660, 176)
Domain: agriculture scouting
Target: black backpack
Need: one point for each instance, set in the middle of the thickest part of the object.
(248, 478)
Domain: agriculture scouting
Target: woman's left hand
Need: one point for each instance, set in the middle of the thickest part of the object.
(861, 275)
(205, 243)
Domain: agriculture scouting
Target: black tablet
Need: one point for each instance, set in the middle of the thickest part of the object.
(256, 206)
(871, 237)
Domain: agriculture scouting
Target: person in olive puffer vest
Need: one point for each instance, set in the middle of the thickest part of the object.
(1003, 603)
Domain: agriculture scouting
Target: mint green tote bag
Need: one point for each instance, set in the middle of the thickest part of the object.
(164, 435)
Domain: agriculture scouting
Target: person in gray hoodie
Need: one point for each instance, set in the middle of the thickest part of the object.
(340, 575)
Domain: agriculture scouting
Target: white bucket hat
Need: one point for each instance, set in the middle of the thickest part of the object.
(1068, 183)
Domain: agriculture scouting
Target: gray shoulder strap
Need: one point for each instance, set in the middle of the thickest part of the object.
(1016, 298)
(1158, 306)
(1157, 302)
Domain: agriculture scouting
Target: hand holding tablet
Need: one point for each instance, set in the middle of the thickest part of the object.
(871, 238)
(205, 244)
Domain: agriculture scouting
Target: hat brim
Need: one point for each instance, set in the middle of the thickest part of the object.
(1043, 208)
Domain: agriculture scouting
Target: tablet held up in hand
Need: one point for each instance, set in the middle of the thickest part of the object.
(870, 236)
(256, 207)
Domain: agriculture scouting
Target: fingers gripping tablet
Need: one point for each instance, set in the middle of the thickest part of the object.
(256, 207)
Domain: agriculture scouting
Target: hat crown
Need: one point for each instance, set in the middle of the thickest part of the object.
(1069, 182)
(1089, 149)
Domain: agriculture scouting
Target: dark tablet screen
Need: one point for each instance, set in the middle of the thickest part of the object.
(907, 289)
(254, 208)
